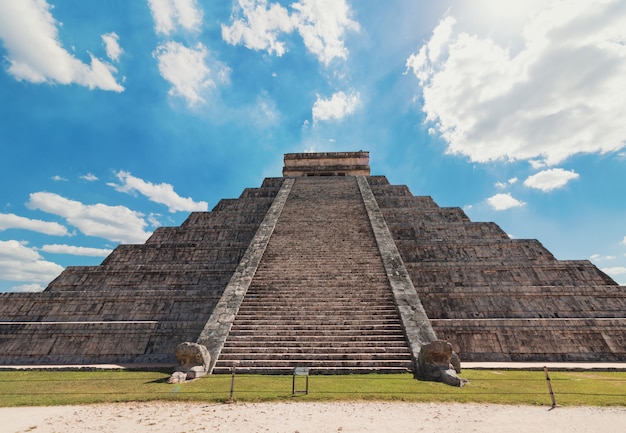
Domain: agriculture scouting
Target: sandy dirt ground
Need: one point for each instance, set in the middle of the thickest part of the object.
(295, 417)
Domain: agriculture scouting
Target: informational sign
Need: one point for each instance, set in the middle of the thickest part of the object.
(300, 371)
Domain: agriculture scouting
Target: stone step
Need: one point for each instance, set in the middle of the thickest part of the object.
(316, 332)
(302, 281)
(351, 356)
(313, 369)
(322, 296)
(334, 309)
(315, 363)
(283, 349)
(319, 343)
(330, 339)
(301, 317)
(312, 303)
(317, 329)
(311, 289)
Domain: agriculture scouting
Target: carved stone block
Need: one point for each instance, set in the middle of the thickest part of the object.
(194, 362)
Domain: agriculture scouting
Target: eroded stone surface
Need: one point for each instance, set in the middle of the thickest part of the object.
(194, 360)
(438, 362)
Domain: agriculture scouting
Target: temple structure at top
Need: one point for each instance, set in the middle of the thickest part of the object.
(327, 164)
(327, 267)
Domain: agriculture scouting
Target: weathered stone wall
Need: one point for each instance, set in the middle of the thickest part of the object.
(498, 299)
(143, 300)
(327, 164)
(554, 340)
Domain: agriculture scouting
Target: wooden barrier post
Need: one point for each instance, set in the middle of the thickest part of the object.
(545, 369)
(232, 381)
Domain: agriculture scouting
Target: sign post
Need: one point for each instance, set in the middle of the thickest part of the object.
(300, 371)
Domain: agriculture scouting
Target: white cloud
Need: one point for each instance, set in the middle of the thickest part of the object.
(76, 251)
(12, 221)
(58, 178)
(17, 250)
(154, 221)
(321, 24)
(170, 14)
(537, 164)
(598, 257)
(89, 177)
(28, 288)
(162, 193)
(618, 270)
(260, 27)
(35, 54)
(116, 223)
(337, 107)
(188, 72)
(112, 46)
(551, 179)
(263, 113)
(504, 202)
(21, 263)
(503, 185)
(560, 95)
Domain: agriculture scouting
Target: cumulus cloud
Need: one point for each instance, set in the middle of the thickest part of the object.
(28, 288)
(35, 54)
(551, 179)
(89, 177)
(618, 270)
(260, 26)
(561, 94)
(76, 251)
(154, 220)
(598, 257)
(337, 107)
(18, 262)
(169, 15)
(188, 71)
(504, 202)
(12, 221)
(162, 193)
(503, 185)
(116, 223)
(322, 24)
(112, 46)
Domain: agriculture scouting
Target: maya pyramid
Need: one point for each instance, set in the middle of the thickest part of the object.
(328, 267)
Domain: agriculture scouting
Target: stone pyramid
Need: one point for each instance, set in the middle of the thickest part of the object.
(326, 267)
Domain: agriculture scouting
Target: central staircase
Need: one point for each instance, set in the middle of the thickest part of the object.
(320, 297)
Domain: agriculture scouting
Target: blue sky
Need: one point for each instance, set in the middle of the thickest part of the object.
(117, 117)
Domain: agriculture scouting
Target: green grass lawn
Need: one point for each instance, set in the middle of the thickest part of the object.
(36, 388)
